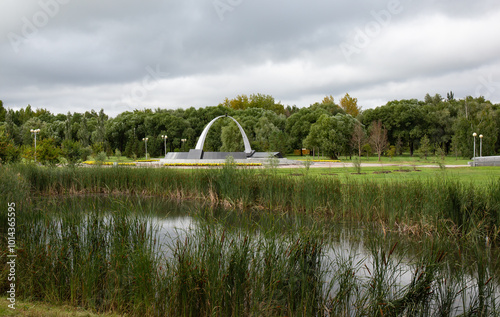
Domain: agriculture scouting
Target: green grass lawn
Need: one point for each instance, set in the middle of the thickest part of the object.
(479, 175)
(403, 159)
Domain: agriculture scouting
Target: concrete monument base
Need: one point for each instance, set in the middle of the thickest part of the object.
(485, 161)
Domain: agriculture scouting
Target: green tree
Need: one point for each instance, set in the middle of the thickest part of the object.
(72, 151)
(47, 152)
(3, 111)
(100, 131)
(403, 119)
(299, 124)
(11, 129)
(476, 115)
(264, 132)
(232, 140)
(68, 134)
(9, 152)
(332, 134)
(278, 142)
(425, 147)
(83, 133)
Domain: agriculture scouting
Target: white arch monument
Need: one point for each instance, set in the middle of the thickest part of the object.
(203, 136)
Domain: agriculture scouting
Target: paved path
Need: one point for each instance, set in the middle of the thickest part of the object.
(337, 165)
(314, 165)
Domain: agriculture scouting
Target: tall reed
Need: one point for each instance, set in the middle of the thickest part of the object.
(435, 205)
(108, 254)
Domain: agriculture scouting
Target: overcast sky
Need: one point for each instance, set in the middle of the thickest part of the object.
(75, 55)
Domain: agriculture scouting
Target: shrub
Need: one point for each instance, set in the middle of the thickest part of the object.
(47, 152)
(72, 151)
(101, 158)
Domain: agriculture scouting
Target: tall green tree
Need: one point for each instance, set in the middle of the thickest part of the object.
(9, 152)
(3, 111)
(332, 134)
(264, 132)
(232, 140)
(479, 116)
(83, 133)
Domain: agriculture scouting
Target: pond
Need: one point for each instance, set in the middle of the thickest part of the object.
(152, 256)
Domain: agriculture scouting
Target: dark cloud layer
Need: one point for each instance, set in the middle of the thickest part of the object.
(119, 55)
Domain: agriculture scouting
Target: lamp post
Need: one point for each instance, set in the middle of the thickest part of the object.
(165, 137)
(35, 131)
(183, 141)
(474, 154)
(480, 145)
(146, 142)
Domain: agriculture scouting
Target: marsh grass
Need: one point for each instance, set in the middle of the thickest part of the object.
(107, 255)
(426, 206)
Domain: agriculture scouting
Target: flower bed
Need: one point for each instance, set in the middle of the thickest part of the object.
(211, 164)
(108, 163)
(328, 161)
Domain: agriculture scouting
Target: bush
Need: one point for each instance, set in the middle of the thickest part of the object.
(118, 154)
(97, 148)
(47, 152)
(391, 152)
(72, 151)
(101, 158)
(8, 152)
(86, 152)
(356, 162)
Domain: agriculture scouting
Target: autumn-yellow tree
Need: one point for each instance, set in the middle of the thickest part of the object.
(328, 100)
(350, 105)
(242, 102)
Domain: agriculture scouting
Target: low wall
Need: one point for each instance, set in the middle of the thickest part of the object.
(485, 161)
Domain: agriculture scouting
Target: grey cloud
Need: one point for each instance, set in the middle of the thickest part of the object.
(92, 44)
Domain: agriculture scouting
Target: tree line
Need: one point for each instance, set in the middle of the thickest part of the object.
(435, 124)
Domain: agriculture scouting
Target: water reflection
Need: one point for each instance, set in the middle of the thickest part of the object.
(353, 252)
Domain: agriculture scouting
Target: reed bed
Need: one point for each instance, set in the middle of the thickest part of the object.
(433, 206)
(110, 255)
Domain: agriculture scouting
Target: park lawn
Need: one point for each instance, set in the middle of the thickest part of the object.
(403, 159)
(38, 309)
(477, 175)
(122, 159)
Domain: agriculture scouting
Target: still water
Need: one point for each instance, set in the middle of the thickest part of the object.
(363, 256)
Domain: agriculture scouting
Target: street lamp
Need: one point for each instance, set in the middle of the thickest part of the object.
(474, 154)
(480, 145)
(146, 142)
(35, 131)
(183, 141)
(165, 137)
